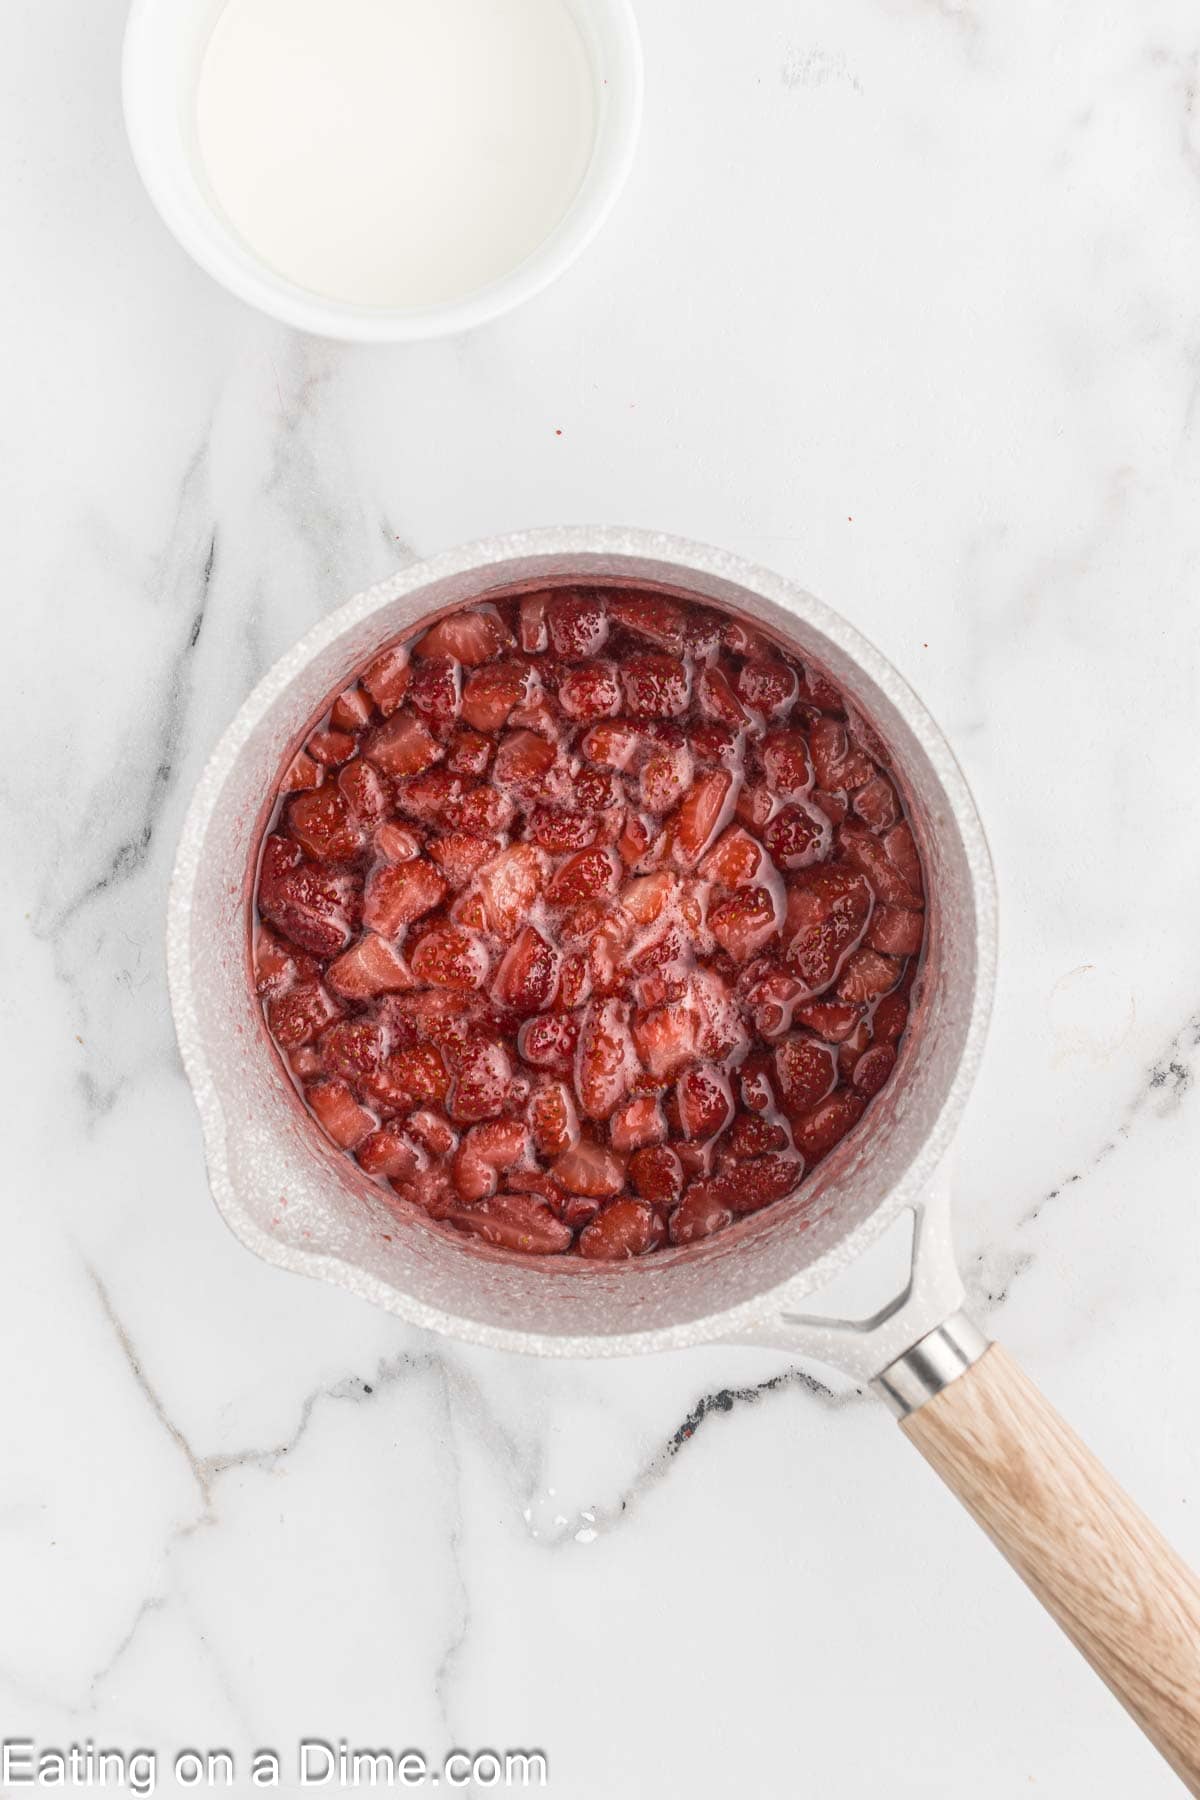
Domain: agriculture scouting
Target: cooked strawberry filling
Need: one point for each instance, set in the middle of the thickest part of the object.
(587, 921)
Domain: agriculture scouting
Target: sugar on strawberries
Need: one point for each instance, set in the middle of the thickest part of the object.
(588, 921)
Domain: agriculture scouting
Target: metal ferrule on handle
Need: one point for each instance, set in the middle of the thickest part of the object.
(931, 1364)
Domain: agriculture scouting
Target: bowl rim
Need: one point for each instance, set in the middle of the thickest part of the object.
(738, 1322)
(236, 267)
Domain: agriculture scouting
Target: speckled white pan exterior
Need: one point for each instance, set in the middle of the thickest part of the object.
(295, 1201)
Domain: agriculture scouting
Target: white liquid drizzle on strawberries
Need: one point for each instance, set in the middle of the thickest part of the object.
(588, 921)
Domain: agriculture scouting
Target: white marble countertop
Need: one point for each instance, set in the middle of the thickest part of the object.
(902, 300)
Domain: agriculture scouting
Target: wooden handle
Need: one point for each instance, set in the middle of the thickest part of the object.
(1098, 1566)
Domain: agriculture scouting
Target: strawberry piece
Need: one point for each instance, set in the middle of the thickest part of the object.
(362, 788)
(558, 831)
(552, 1119)
(436, 691)
(873, 1068)
(532, 627)
(329, 748)
(836, 762)
(772, 998)
(482, 1080)
(656, 1173)
(660, 621)
(274, 964)
(516, 1222)
(528, 973)
(483, 812)
(402, 745)
(718, 701)
(817, 691)
(798, 835)
(754, 1083)
(705, 1102)
(523, 760)
(492, 692)
(889, 1020)
(300, 1015)
(589, 690)
(701, 1212)
(588, 873)
(353, 1048)
(351, 710)
(656, 687)
(902, 853)
(398, 893)
(767, 684)
(471, 637)
(388, 1151)
(549, 1042)
(665, 778)
(578, 624)
(786, 764)
(752, 1135)
(432, 1131)
(399, 843)
(606, 1062)
(302, 773)
(867, 975)
(338, 1113)
(756, 1182)
(645, 898)
(386, 679)
(508, 887)
(734, 860)
(449, 956)
(611, 746)
(460, 855)
(817, 1132)
(313, 904)
(702, 814)
(626, 1228)
(468, 752)
(827, 913)
(639, 1122)
(484, 1151)
(754, 807)
(876, 803)
(321, 823)
(590, 1168)
(368, 968)
(805, 1071)
(743, 922)
(431, 798)
(665, 1039)
(833, 1020)
(896, 931)
(575, 981)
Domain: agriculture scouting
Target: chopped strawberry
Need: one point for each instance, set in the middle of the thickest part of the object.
(414, 1074)
(889, 1019)
(552, 1118)
(873, 1069)
(896, 931)
(398, 843)
(492, 692)
(754, 807)
(517, 1222)
(315, 905)
(753, 1184)
(589, 690)
(549, 1042)
(817, 1132)
(460, 855)
(471, 638)
(523, 760)
(611, 746)
(656, 1173)
(436, 692)
(743, 922)
(449, 956)
(876, 803)
(528, 973)
(786, 764)
(300, 1015)
(533, 634)
(705, 1102)
(402, 745)
(665, 1039)
(274, 963)
(833, 1020)
(321, 823)
(559, 831)
(508, 887)
(867, 975)
(639, 1122)
(468, 752)
(482, 1081)
(718, 700)
(656, 687)
(767, 684)
(837, 763)
(329, 748)
(660, 621)
(626, 1228)
(606, 1059)
(701, 1212)
(665, 778)
(398, 893)
(353, 1047)
(387, 678)
(362, 788)
(827, 914)
(484, 1151)
(702, 813)
(370, 967)
(752, 1135)
(734, 860)
(578, 624)
(806, 1071)
(590, 1168)
(433, 798)
(484, 812)
(338, 1113)
(351, 710)
(388, 1151)
(902, 853)
(302, 773)
(587, 873)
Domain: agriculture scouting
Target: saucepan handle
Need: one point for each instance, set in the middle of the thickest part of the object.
(1096, 1563)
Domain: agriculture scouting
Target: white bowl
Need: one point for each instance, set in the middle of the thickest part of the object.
(165, 42)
